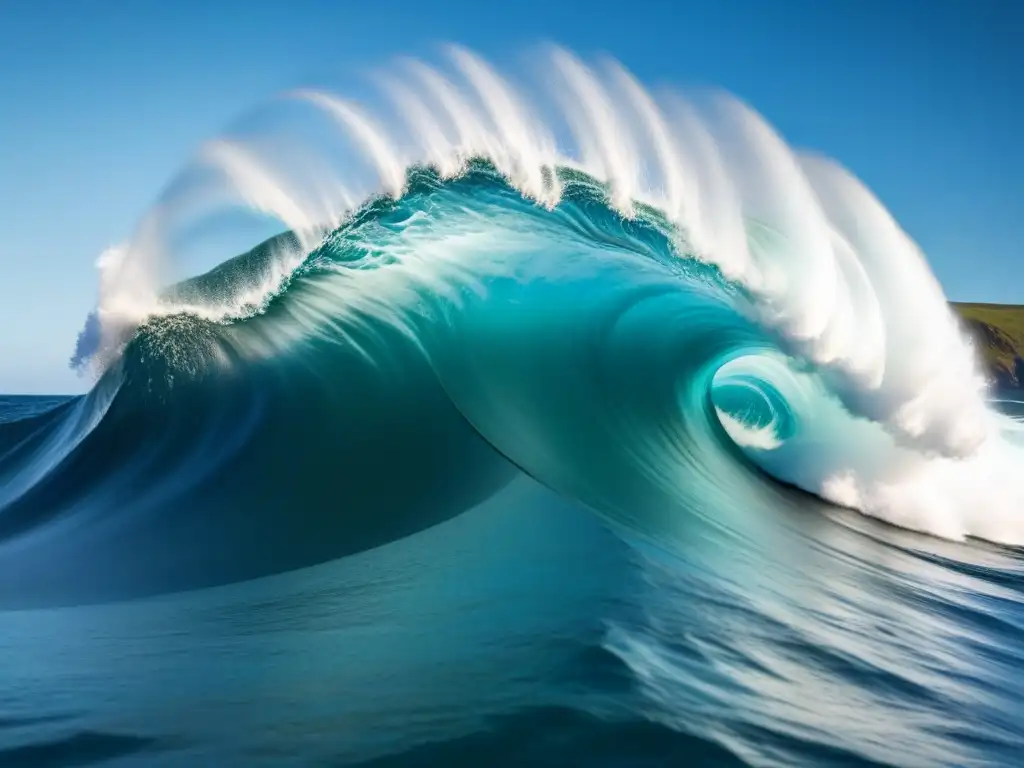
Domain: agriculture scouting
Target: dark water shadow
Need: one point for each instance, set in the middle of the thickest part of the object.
(84, 748)
(558, 737)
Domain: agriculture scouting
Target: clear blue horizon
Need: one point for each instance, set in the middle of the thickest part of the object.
(102, 103)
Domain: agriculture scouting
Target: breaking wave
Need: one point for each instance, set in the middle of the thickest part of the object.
(648, 304)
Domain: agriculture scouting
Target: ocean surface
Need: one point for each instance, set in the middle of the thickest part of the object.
(527, 632)
(664, 450)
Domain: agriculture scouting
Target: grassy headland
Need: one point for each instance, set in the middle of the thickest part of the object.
(998, 330)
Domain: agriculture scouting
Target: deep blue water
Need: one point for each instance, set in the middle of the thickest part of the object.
(526, 632)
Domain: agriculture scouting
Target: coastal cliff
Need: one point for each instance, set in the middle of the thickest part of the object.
(998, 330)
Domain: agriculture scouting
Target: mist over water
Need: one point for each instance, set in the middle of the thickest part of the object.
(545, 413)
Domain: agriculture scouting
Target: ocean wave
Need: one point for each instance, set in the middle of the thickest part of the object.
(672, 321)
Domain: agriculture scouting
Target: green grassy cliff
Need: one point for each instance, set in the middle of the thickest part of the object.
(998, 330)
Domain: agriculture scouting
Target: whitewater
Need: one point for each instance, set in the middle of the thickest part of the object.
(767, 288)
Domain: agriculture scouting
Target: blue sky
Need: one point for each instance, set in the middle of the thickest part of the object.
(102, 102)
